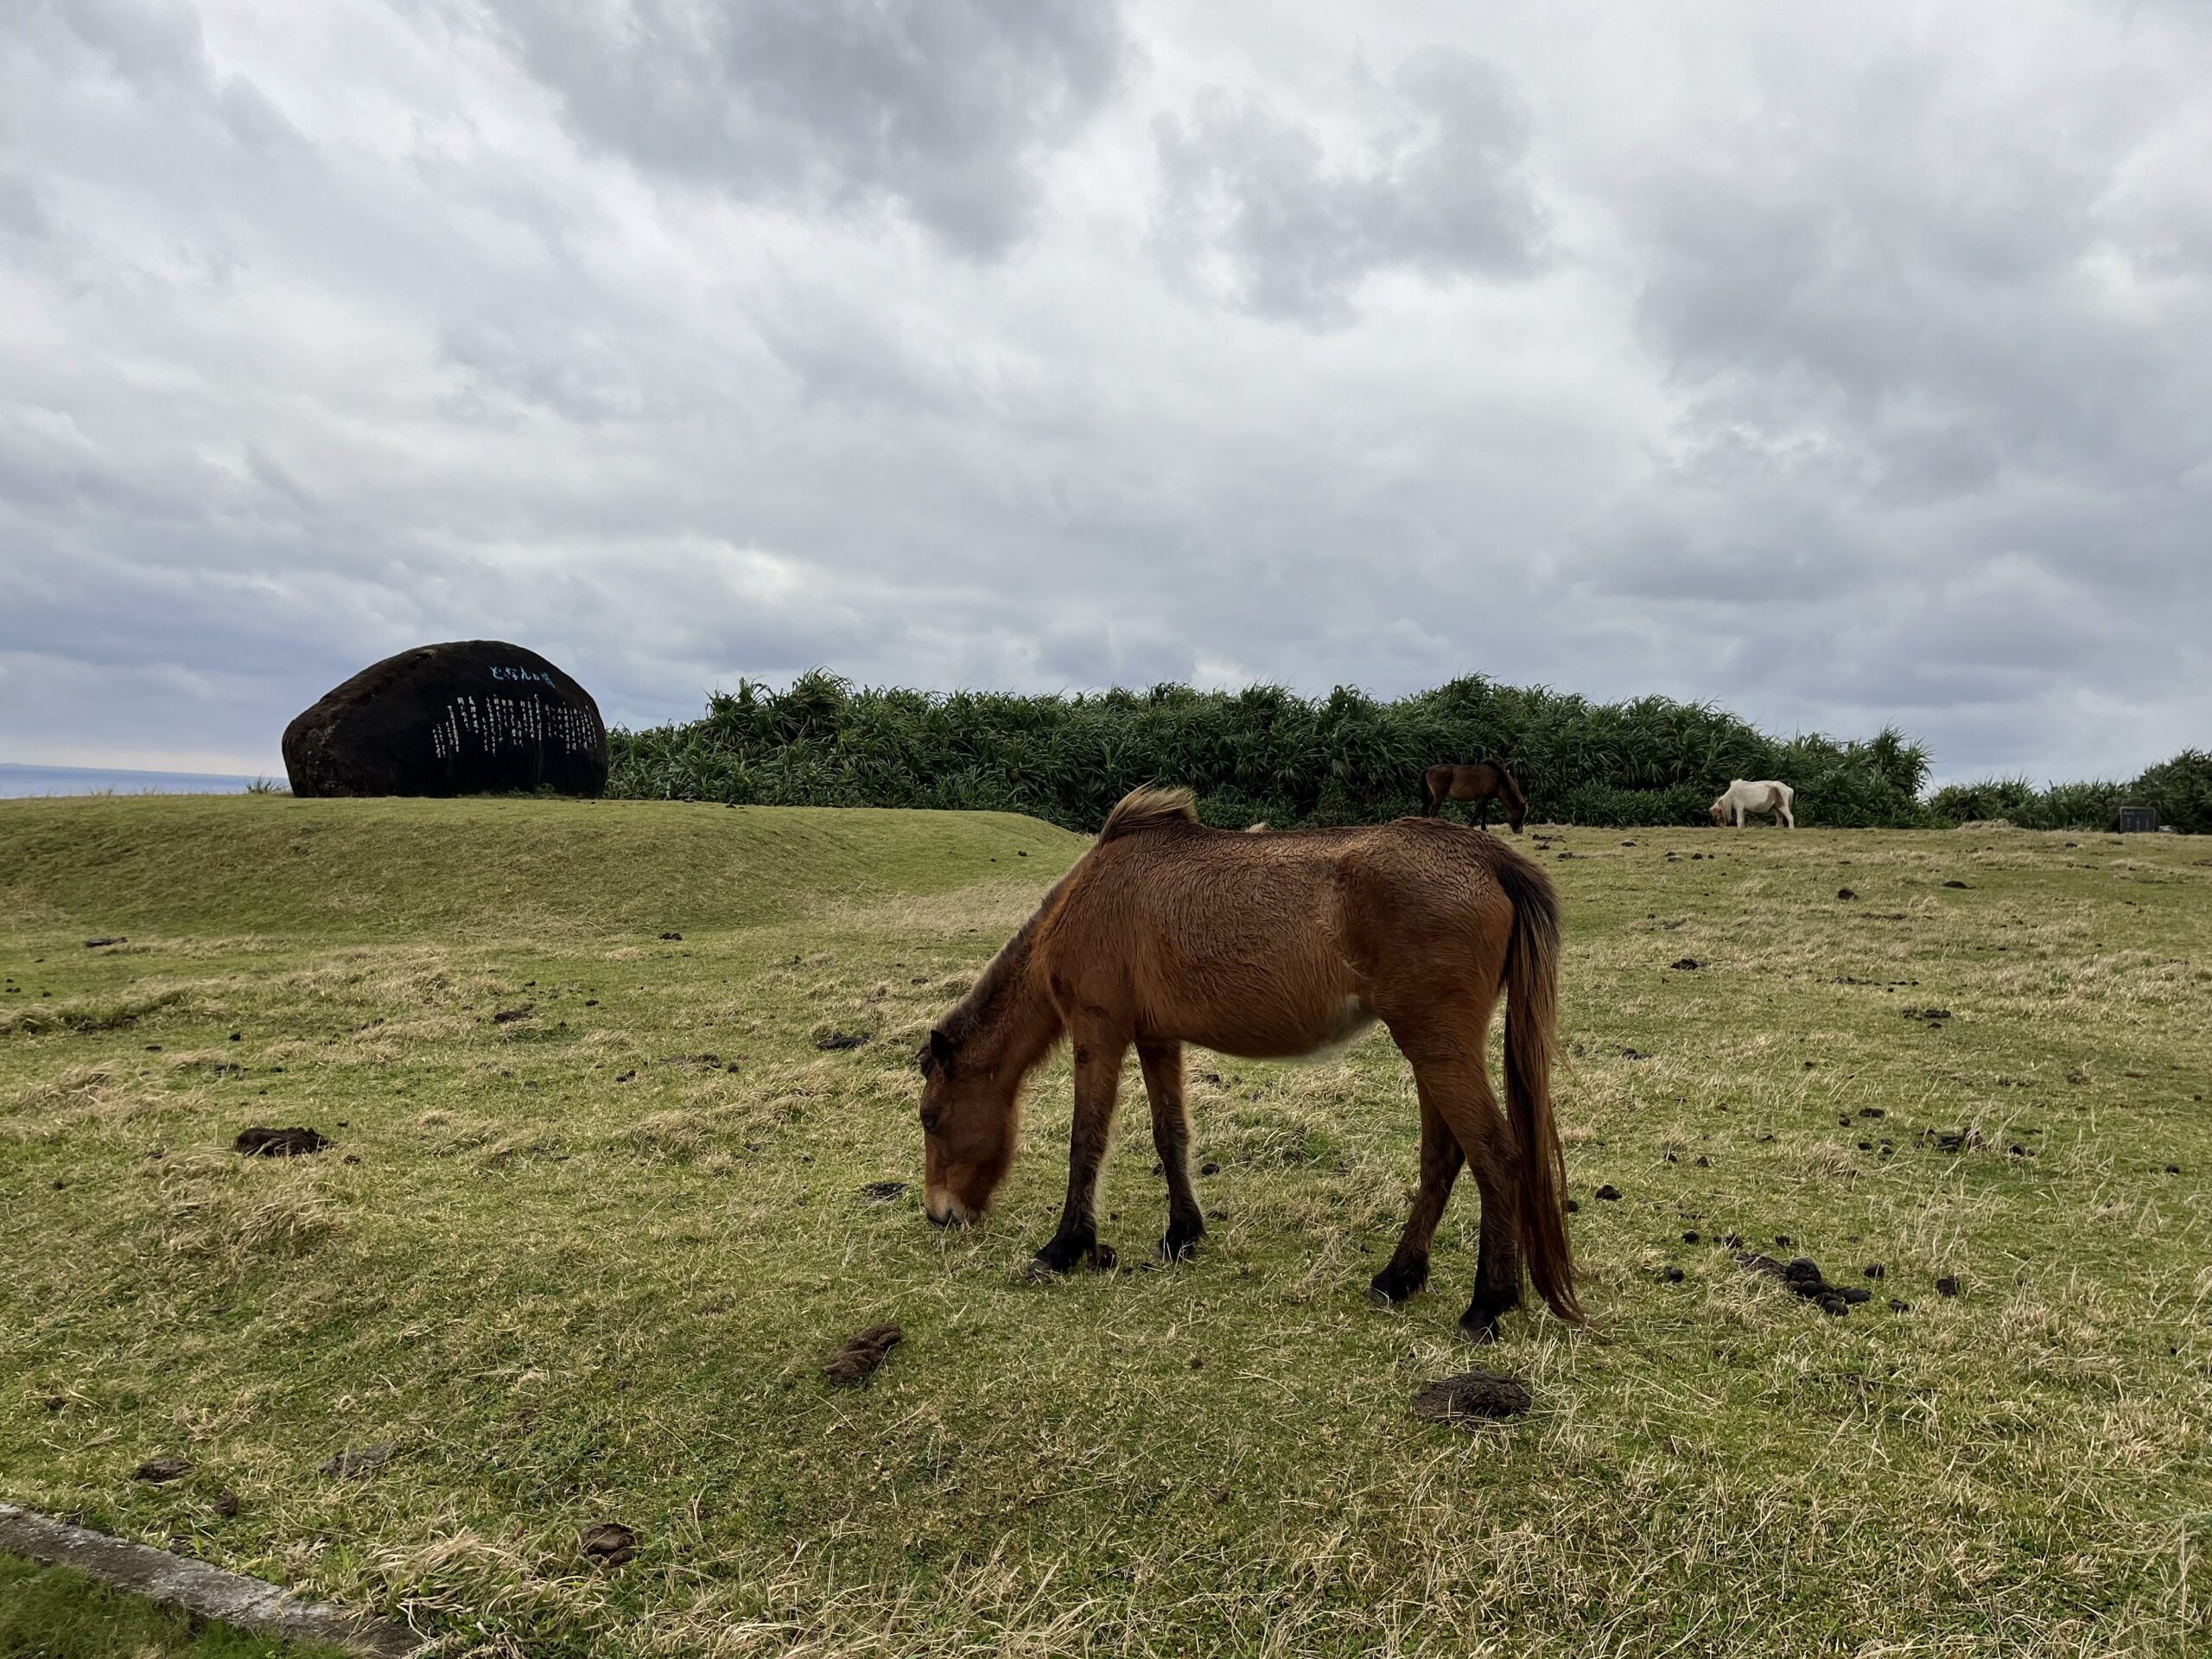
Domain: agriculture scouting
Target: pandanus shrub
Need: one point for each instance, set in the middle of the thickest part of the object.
(1262, 752)
(2179, 791)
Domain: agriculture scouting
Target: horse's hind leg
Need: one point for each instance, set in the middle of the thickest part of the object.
(1097, 1079)
(1171, 1139)
(1450, 1073)
(1440, 1159)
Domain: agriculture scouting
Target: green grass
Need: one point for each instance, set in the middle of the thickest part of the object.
(209, 867)
(54, 1613)
(580, 1270)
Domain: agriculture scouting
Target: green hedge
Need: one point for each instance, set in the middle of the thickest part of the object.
(1260, 752)
(2179, 790)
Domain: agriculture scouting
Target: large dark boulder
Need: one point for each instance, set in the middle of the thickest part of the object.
(471, 717)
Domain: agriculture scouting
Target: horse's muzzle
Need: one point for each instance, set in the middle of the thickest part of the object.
(944, 1211)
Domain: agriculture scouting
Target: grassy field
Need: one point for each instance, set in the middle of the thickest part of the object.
(593, 1221)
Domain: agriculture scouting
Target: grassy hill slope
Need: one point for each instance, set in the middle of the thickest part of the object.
(228, 865)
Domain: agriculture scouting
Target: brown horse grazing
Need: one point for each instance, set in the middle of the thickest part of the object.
(1167, 932)
(1480, 783)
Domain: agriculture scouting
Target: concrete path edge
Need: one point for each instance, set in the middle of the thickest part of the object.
(182, 1581)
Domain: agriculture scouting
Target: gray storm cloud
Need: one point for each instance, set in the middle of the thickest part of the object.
(1844, 368)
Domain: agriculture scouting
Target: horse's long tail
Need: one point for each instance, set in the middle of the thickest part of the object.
(1531, 1018)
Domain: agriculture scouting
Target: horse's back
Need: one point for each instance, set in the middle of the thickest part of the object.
(1427, 897)
(1474, 782)
(1277, 945)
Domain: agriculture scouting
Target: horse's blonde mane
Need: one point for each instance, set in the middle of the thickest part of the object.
(1148, 807)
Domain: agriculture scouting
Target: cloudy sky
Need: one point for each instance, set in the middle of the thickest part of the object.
(1846, 364)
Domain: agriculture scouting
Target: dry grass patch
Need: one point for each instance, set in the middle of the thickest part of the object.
(231, 1210)
(88, 1016)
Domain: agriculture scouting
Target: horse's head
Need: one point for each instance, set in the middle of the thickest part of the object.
(1719, 809)
(969, 1126)
(1509, 796)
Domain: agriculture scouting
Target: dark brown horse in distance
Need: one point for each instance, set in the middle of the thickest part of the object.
(1482, 783)
(1268, 946)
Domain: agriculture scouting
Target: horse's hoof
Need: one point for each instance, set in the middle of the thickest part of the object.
(1478, 1330)
(1391, 1285)
(1061, 1255)
(1179, 1246)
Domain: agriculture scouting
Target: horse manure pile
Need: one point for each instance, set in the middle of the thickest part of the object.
(861, 1356)
(1951, 1140)
(609, 1543)
(1472, 1397)
(263, 1142)
(1801, 1276)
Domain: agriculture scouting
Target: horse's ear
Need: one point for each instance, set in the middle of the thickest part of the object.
(940, 1053)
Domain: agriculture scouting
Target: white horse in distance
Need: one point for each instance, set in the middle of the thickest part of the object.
(1765, 797)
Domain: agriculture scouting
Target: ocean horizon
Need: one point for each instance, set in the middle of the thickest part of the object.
(17, 780)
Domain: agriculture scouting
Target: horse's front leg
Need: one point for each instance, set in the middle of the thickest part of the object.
(1097, 1079)
(1171, 1138)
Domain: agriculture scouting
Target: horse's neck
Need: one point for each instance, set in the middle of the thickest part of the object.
(1023, 1024)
